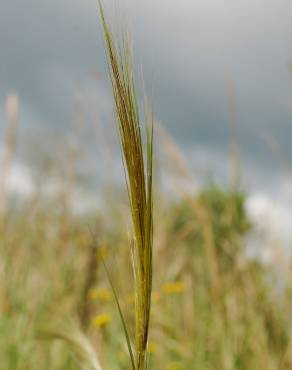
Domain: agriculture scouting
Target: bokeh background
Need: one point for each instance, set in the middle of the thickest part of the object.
(208, 64)
(220, 73)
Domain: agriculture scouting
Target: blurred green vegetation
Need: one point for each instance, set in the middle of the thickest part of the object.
(213, 307)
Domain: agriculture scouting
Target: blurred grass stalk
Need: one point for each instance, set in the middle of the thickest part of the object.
(138, 173)
(11, 109)
(181, 170)
(234, 143)
(78, 343)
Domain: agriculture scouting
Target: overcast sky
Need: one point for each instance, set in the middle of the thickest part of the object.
(190, 50)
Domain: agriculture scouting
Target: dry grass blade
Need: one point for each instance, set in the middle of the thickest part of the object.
(78, 344)
(138, 171)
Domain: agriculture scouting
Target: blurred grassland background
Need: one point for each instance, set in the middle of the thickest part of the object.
(215, 304)
(222, 274)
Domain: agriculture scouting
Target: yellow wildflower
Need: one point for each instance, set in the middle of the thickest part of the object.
(83, 240)
(130, 298)
(174, 366)
(174, 288)
(155, 297)
(121, 355)
(152, 347)
(102, 252)
(152, 311)
(101, 294)
(101, 320)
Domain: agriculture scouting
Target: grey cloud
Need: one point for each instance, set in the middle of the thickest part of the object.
(186, 47)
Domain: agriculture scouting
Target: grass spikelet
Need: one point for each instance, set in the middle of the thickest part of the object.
(138, 173)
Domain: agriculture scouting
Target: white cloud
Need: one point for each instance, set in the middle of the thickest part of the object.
(19, 181)
(272, 233)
